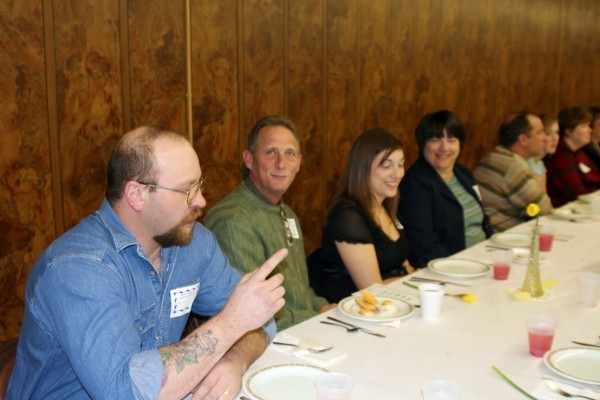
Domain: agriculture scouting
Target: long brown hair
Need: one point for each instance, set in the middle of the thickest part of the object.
(354, 184)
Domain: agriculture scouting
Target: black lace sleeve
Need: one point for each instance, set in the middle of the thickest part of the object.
(350, 223)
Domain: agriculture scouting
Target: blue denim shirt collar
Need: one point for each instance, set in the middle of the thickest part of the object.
(120, 234)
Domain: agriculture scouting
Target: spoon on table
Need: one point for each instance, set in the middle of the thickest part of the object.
(560, 391)
(314, 349)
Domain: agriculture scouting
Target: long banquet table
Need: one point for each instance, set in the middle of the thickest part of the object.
(468, 339)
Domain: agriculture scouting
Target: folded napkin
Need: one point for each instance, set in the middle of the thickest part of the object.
(543, 392)
(302, 345)
(549, 283)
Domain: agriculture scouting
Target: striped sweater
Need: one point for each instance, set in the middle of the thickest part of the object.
(506, 184)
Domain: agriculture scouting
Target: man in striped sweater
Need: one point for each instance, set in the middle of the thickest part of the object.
(504, 177)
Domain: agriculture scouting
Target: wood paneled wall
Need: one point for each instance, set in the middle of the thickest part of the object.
(76, 74)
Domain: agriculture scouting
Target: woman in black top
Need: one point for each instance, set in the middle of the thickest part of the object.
(363, 242)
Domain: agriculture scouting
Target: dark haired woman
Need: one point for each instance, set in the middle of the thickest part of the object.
(363, 241)
(440, 203)
(570, 172)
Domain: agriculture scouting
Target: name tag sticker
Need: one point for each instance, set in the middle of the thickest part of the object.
(182, 299)
(584, 168)
(293, 228)
(476, 189)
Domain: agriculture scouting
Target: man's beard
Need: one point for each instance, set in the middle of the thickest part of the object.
(178, 235)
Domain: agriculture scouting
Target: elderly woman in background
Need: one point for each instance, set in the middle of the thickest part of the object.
(440, 205)
(570, 172)
(592, 149)
(363, 242)
(537, 163)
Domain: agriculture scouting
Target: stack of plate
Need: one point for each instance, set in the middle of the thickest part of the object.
(510, 239)
(580, 364)
(284, 381)
(459, 267)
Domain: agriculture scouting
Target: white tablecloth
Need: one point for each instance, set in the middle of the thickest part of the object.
(467, 339)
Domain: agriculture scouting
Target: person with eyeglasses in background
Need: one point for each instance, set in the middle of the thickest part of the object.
(107, 302)
(253, 220)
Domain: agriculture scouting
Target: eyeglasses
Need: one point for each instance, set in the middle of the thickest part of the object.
(286, 225)
(191, 192)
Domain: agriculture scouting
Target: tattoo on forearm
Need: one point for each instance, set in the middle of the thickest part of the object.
(187, 352)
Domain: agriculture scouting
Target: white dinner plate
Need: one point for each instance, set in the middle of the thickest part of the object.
(401, 310)
(459, 267)
(521, 256)
(512, 239)
(572, 213)
(581, 364)
(283, 382)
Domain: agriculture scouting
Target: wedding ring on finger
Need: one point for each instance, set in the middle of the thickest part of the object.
(226, 393)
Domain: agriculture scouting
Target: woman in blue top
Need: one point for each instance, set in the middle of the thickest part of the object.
(440, 205)
(363, 241)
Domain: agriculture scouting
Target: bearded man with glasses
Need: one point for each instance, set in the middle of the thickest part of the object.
(253, 219)
(107, 302)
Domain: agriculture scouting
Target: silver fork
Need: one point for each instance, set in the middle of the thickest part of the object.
(358, 328)
(348, 328)
(558, 390)
(315, 349)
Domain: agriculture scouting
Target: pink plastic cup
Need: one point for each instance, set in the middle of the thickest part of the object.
(501, 260)
(546, 238)
(541, 330)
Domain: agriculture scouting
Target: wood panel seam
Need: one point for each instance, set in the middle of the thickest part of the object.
(125, 71)
(53, 134)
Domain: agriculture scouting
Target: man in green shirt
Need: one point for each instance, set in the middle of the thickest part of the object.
(252, 221)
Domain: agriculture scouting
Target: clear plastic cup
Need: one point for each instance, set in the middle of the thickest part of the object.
(589, 283)
(541, 329)
(546, 238)
(334, 386)
(501, 260)
(441, 390)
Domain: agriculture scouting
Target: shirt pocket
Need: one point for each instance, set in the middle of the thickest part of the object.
(145, 319)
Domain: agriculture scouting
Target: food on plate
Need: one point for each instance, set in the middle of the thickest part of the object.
(368, 297)
(369, 305)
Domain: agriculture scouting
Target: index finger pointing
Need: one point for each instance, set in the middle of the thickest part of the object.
(270, 264)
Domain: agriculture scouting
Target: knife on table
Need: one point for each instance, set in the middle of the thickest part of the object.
(365, 330)
(585, 344)
(417, 278)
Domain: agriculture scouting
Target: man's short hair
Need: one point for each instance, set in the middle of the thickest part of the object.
(132, 159)
(269, 120)
(513, 126)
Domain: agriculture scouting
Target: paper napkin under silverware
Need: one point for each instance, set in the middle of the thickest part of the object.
(323, 359)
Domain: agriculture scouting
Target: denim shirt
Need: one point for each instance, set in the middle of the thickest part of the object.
(96, 311)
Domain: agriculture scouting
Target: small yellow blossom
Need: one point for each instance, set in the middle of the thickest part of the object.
(533, 209)
(469, 298)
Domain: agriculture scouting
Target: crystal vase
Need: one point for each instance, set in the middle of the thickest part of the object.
(533, 281)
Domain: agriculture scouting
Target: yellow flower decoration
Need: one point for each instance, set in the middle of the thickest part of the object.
(468, 298)
(533, 209)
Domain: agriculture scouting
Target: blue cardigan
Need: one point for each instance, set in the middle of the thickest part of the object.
(432, 216)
